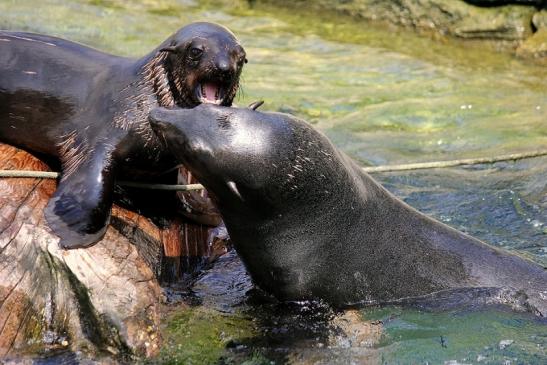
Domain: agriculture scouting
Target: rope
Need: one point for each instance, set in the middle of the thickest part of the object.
(383, 168)
(452, 163)
(188, 187)
(55, 175)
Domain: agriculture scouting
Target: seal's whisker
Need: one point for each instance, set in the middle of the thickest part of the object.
(240, 93)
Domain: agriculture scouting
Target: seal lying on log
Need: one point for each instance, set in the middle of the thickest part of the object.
(89, 109)
(308, 223)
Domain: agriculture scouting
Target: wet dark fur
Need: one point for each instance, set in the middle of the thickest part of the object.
(89, 109)
(310, 224)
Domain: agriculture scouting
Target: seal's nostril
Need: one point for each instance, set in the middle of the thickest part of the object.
(223, 65)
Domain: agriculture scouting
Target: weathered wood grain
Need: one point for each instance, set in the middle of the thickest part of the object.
(100, 300)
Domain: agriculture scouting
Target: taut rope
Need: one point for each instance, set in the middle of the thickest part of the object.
(382, 168)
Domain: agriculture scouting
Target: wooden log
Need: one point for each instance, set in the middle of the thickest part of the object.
(104, 300)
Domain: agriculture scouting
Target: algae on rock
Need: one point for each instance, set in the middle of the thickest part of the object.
(506, 26)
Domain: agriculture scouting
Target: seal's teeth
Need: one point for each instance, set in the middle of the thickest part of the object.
(207, 101)
(210, 93)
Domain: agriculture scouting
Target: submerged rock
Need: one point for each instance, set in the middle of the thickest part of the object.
(505, 343)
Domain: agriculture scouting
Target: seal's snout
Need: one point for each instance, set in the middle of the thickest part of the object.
(158, 126)
(164, 120)
(224, 66)
(157, 119)
(153, 117)
(220, 84)
(155, 124)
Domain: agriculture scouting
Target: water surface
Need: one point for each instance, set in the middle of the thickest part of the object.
(383, 97)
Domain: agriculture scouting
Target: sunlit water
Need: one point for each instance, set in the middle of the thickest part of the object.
(383, 98)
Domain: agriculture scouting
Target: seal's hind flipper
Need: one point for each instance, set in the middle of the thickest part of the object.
(79, 211)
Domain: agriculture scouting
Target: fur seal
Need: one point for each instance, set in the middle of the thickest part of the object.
(90, 110)
(308, 223)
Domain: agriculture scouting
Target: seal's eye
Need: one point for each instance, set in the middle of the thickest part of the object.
(242, 59)
(195, 52)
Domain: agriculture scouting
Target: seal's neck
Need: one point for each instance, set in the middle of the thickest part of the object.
(155, 75)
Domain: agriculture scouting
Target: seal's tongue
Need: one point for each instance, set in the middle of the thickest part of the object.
(210, 92)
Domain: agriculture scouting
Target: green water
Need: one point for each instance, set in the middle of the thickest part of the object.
(383, 97)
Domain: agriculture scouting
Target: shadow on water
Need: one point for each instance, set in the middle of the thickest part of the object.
(245, 326)
(231, 322)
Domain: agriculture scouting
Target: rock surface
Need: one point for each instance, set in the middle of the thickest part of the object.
(535, 46)
(104, 300)
(508, 25)
(539, 20)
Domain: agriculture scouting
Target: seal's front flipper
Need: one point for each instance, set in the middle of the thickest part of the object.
(79, 211)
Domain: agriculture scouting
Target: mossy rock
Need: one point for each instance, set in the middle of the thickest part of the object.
(455, 18)
(540, 19)
(535, 46)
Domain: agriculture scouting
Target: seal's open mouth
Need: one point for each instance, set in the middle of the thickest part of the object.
(210, 92)
(174, 87)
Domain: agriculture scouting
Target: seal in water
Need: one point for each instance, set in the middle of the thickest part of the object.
(308, 223)
(90, 110)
